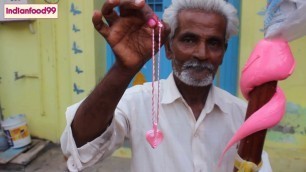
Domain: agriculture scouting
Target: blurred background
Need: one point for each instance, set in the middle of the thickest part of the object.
(48, 64)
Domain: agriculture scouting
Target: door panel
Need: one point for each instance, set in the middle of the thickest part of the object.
(228, 72)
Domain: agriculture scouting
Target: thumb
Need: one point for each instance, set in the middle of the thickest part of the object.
(99, 25)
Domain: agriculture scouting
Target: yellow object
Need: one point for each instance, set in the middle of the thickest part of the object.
(139, 79)
(19, 133)
(246, 166)
(123, 152)
(16, 131)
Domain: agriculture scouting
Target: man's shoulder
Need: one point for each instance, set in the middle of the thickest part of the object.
(145, 87)
(234, 105)
(140, 91)
(228, 97)
(135, 89)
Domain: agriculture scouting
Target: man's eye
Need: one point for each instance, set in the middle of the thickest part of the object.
(188, 40)
(214, 43)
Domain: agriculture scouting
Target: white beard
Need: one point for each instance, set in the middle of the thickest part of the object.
(186, 77)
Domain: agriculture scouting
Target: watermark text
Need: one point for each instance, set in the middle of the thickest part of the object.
(18, 11)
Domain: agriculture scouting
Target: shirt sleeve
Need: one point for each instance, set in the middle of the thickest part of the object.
(266, 167)
(91, 152)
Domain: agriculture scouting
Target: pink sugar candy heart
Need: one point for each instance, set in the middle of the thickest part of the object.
(154, 138)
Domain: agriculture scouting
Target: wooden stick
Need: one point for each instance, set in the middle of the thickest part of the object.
(250, 148)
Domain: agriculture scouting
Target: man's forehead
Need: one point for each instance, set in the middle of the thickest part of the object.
(190, 12)
(197, 10)
(200, 19)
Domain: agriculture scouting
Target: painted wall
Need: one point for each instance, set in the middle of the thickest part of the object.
(60, 59)
(286, 143)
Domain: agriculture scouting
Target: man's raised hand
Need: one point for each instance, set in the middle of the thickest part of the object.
(129, 32)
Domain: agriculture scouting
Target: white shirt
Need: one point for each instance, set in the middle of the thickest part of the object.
(188, 144)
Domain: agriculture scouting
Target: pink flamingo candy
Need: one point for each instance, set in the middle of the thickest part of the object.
(271, 60)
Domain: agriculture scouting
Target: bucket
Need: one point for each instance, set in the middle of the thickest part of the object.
(16, 130)
(3, 142)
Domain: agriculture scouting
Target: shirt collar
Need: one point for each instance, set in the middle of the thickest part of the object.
(214, 98)
(171, 93)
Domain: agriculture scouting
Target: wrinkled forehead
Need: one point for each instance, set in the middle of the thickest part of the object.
(193, 13)
(200, 19)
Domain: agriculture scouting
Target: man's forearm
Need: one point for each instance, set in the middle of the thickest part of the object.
(96, 112)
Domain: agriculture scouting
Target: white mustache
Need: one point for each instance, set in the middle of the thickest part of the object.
(185, 72)
(198, 65)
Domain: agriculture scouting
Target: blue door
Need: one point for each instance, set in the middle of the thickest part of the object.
(227, 75)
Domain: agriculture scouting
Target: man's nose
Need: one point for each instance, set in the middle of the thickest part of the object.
(201, 51)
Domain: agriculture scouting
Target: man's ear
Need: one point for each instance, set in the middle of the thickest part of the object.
(168, 49)
(225, 47)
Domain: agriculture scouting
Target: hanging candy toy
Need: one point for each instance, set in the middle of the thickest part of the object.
(155, 136)
(270, 61)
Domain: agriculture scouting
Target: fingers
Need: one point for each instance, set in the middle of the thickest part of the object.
(132, 4)
(99, 25)
(150, 16)
(109, 6)
(165, 32)
(144, 11)
(108, 11)
(127, 7)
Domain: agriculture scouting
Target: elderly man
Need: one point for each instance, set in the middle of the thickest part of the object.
(196, 118)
